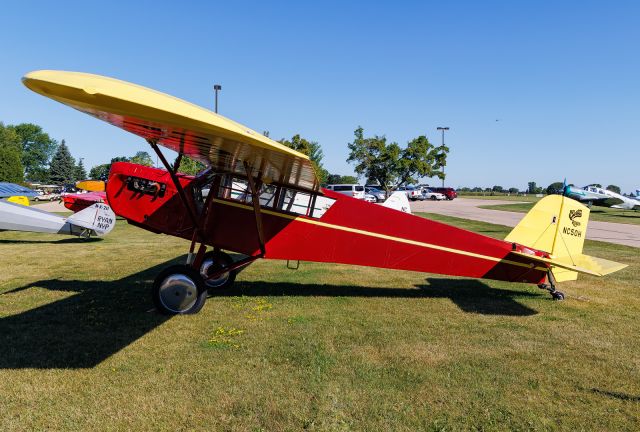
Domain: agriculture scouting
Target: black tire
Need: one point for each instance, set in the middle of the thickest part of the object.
(557, 295)
(178, 290)
(212, 262)
(433, 198)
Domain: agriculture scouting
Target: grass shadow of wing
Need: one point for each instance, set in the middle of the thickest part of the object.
(67, 240)
(83, 329)
(474, 296)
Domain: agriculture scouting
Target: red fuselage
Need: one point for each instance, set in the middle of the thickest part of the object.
(340, 230)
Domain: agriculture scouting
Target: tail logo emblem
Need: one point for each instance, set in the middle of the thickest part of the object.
(573, 215)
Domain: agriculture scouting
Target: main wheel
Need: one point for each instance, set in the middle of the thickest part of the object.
(557, 295)
(179, 290)
(214, 262)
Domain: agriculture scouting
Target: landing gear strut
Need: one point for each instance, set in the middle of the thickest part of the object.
(551, 287)
(183, 289)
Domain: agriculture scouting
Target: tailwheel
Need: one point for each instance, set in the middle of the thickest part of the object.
(214, 262)
(179, 290)
(551, 287)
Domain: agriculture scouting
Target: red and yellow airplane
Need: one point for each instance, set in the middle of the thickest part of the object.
(263, 200)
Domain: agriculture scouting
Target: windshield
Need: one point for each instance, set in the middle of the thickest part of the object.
(359, 188)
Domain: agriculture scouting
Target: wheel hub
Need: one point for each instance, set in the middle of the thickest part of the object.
(178, 293)
(209, 265)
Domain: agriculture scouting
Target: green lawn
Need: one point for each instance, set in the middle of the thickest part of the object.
(603, 214)
(527, 198)
(326, 347)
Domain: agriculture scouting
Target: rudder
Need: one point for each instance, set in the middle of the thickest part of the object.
(557, 225)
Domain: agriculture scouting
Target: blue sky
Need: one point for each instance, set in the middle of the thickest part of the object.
(560, 78)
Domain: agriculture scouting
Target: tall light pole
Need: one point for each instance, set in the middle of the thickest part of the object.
(217, 88)
(442, 148)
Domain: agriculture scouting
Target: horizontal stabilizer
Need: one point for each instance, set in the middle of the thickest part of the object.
(579, 263)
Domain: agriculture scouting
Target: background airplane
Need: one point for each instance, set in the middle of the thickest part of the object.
(93, 220)
(15, 193)
(79, 201)
(594, 195)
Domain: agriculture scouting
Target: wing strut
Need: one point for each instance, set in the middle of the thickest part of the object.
(176, 183)
(256, 207)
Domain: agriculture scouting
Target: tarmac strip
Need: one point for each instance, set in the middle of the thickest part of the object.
(468, 208)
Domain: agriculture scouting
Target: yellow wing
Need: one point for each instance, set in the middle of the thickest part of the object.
(177, 125)
(91, 185)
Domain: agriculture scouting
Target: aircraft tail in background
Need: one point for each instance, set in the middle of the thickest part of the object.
(96, 220)
(398, 201)
(558, 225)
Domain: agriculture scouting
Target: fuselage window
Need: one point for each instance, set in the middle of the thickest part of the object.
(277, 197)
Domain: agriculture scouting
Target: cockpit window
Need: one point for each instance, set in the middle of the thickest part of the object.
(276, 197)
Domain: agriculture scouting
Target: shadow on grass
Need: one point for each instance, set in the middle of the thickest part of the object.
(616, 395)
(60, 241)
(470, 295)
(104, 317)
(83, 329)
(474, 296)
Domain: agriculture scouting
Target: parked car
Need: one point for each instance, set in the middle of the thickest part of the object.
(377, 193)
(412, 192)
(370, 198)
(352, 190)
(430, 194)
(46, 197)
(448, 192)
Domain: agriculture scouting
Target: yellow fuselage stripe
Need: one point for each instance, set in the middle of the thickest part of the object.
(382, 236)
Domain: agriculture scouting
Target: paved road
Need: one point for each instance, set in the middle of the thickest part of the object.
(468, 208)
(51, 206)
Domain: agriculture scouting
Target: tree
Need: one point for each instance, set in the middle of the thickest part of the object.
(37, 147)
(514, 190)
(11, 169)
(555, 188)
(340, 179)
(334, 179)
(391, 166)
(142, 158)
(81, 172)
(62, 169)
(532, 187)
(614, 188)
(311, 149)
(190, 166)
(349, 179)
(100, 172)
(497, 189)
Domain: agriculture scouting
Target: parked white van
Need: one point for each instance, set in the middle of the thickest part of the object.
(352, 190)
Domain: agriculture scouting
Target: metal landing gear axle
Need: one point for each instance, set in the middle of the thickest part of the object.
(551, 287)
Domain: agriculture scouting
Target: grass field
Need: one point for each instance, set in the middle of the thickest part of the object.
(602, 214)
(527, 198)
(326, 347)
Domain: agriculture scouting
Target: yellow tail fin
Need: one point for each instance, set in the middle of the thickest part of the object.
(558, 225)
